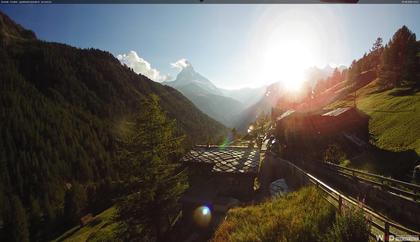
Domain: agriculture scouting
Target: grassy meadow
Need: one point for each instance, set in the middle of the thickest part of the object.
(300, 216)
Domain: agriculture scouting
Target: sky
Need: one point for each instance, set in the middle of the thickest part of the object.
(234, 46)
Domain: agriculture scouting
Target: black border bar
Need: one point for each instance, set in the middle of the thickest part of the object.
(208, 1)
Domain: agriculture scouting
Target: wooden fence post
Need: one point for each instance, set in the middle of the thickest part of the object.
(386, 232)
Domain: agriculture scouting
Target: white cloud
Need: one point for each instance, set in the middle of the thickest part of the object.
(181, 64)
(141, 66)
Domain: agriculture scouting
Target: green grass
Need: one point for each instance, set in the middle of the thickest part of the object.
(394, 116)
(101, 228)
(300, 216)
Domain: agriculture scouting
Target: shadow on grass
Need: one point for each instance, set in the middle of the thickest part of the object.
(93, 223)
(391, 111)
(399, 92)
(398, 165)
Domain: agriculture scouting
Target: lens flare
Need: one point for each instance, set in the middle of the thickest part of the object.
(202, 216)
(205, 211)
(250, 129)
(226, 141)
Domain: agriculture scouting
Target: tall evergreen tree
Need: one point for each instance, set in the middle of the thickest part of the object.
(74, 203)
(375, 54)
(399, 60)
(35, 218)
(16, 225)
(353, 73)
(377, 45)
(150, 152)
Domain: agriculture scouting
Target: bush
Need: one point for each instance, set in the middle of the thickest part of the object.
(334, 154)
(348, 227)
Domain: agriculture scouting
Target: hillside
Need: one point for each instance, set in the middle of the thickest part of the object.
(394, 116)
(62, 109)
(221, 108)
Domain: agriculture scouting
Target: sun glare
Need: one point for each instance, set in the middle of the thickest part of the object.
(287, 54)
(287, 43)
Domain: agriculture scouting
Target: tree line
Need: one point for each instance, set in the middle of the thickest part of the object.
(396, 64)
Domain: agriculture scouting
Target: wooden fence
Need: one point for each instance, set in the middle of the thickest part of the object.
(381, 227)
(403, 189)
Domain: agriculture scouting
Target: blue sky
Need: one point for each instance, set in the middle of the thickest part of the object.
(232, 45)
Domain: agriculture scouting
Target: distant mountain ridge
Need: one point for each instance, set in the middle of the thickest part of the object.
(221, 104)
(188, 76)
(248, 96)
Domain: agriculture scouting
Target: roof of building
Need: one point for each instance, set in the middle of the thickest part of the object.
(226, 159)
(337, 112)
(286, 114)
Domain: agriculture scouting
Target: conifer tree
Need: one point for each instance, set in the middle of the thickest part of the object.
(399, 60)
(150, 152)
(74, 203)
(16, 223)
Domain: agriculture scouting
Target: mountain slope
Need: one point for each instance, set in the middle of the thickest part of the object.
(206, 96)
(61, 111)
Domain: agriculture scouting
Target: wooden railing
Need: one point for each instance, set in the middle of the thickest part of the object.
(403, 189)
(381, 227)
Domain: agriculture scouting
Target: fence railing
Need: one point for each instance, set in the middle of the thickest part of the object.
(381, 227)
(405, 190)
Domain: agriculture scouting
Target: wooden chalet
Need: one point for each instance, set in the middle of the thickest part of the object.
(217, 173)
(233, 169)
(348, 122)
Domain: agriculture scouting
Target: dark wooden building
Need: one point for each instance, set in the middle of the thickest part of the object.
(219, 178)
(349, 123)
(231, 170)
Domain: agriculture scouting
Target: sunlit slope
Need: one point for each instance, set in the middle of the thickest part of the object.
(394, 116)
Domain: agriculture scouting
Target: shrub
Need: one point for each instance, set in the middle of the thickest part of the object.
(334, 154)
(348, 227)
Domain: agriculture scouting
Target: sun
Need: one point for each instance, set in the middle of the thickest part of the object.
(286, 42)
(287, 54)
